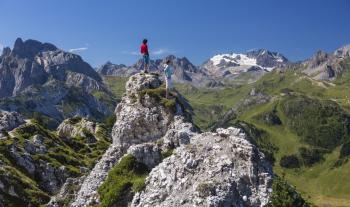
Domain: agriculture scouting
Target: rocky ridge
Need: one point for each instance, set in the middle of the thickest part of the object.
(9, 121)
(37, 162)
(207, 168)
(141, 120)
(327, 66)
(214, 169)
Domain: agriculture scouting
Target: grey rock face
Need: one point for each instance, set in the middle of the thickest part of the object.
(70, 129)
(37, 76)
(179, 133)
(267, 58)
(111, 69)
(35, 145)
(214, 169)
(67, 191)
(343, 52)
(50, 178)
(32, 62)
(87, 195)
(139, 125)
(10, 120)
(324, 66)
(147, 153)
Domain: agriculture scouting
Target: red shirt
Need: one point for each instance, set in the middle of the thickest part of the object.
(144, 49)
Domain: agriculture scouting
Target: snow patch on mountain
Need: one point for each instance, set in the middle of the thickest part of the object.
(239, 60)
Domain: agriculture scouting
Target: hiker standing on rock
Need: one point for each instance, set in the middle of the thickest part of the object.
(168, 71)
(145, 55)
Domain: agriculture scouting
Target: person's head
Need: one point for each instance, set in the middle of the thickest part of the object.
(168, 62)
(144, 41)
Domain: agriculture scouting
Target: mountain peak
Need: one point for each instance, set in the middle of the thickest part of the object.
(262, 58)
(30, 47)
(343, 51)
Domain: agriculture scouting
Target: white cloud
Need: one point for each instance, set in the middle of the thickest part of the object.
(78, 49)
(130, 53)
(160, 51)
(157, 52)
(253, 49)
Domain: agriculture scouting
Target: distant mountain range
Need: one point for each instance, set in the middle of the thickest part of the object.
(185, 71)
(39, 77)
(212, 72)
(241, 67)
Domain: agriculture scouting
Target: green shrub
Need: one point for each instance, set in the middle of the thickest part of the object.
(319, 123)
(285, 195)
(206, 189)
(270, 118)
(44, 120)
(167, 153)
(344, 154)
(169, 103)
(345, 150)
(74, 120)
(261, 139)
(89, 137)
(311, 156)
(28, 194)
(125, 178)
(156, 93)
(109, 121)
(159, 95)
(290, 161)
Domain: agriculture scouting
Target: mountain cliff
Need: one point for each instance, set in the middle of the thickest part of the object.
(324, 66)
(39, 77)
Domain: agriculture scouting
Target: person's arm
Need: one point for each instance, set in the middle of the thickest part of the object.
(147, 50)
(166, 70)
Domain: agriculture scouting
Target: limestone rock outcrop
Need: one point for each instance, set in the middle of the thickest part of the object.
(9, 121)
(214, 169)
(219, 168)
(142, 119)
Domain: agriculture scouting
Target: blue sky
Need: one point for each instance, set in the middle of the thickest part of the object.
(112, 29)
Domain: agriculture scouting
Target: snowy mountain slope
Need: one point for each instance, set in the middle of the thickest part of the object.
(231, 65)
